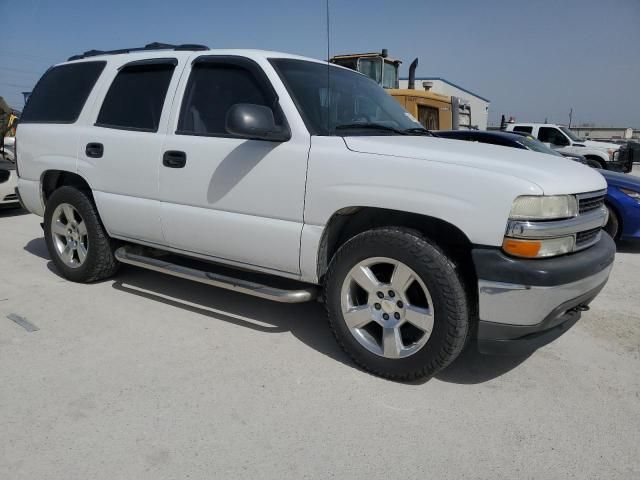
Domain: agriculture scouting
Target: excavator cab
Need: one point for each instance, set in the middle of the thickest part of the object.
(377, 66)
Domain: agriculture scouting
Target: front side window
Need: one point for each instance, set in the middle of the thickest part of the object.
(351, 102)
(61, 93)
(136, 97)
(552, 136)
(212, 90)
(571, 135)
(390, 75)
(523, 129)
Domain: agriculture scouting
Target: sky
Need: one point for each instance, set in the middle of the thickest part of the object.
(533, 59)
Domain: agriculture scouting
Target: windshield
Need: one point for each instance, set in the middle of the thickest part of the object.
(531, 143)
(571, 135)
(353, 100)
(390, 75)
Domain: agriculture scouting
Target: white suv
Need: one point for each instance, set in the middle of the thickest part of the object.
(179, 159)
(598, 154)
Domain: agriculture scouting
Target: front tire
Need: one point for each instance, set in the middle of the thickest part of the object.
(76, 239)
(613, 224)
(396, 304)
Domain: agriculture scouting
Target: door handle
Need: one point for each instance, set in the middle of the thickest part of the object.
(174, 159)
(94, 150)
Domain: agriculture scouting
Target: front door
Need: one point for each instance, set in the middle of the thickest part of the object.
(236, 200)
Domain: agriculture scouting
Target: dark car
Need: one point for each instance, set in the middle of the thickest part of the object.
(623, 191)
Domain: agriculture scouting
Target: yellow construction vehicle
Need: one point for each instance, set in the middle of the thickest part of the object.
(433, 111)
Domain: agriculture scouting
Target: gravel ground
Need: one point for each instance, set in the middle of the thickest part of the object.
(151, 377)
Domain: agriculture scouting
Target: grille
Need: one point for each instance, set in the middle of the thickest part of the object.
(588, 204)
(11, 197)
(4, 175)
(586, 237)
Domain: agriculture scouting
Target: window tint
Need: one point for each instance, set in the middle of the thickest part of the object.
(212, 90)
(552, 136)
(61, 93)
(523, 129)
(136, 96)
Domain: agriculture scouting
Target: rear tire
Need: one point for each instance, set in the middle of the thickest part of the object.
(76, 239)
(444, 302)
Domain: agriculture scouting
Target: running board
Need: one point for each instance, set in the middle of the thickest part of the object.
(129, 256)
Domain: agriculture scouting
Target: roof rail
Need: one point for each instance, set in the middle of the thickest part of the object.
(150, 46)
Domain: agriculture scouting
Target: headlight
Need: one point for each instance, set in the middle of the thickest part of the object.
(539, 207)
(633, 194)
(538, 248)
(612, 153)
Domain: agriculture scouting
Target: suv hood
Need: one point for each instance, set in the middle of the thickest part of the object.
(553, 174)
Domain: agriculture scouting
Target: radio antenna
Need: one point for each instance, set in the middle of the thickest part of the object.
(328, 69)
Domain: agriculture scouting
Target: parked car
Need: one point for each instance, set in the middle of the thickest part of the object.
(8, 184)
(608, 156)
(623, 191)
(244, 158)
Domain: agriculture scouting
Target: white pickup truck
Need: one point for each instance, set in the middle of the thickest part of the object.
(300, 178)
(608, 156)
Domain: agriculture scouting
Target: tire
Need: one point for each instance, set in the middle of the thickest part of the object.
(613, 224)
(595, 163)
(97, 261)
(445, 298)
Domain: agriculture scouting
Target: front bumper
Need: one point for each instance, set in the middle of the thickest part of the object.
(525, 304)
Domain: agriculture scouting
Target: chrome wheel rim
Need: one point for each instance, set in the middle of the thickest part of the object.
(387, 307)
(69, 233)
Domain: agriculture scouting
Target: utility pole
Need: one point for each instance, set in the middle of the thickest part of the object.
(570, 116)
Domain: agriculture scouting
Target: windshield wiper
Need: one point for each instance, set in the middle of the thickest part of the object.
(369, 126)
(419, 131)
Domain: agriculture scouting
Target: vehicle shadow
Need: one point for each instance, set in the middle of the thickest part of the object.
(472, 367)
(629, 246)
(305, 321)
(7, 211)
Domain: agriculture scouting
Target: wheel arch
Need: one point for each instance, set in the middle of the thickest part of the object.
(597, 158)
(51, 180)
(350, 221)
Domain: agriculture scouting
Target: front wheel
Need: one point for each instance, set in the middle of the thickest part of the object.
(76, 239)
(613, 224)
(396, 304)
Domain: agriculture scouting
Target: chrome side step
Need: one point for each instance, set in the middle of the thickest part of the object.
(134, 256)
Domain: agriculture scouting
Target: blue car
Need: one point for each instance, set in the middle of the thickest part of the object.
(623, 190)
(623, 200)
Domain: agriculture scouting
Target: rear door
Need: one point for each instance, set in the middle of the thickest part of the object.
(237, 200)
(119, 150)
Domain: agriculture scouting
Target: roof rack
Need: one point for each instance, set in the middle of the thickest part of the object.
(150, 46)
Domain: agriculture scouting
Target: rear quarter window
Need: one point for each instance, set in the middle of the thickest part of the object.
(61, 93)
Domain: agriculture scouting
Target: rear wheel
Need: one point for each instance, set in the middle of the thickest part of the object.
(76, 239)
(396, 304)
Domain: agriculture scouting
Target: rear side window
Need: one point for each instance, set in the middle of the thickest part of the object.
(136, 97)
(523, 129)
(212, 90)
(61, 93)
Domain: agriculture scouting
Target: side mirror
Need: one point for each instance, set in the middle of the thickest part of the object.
(255, 122)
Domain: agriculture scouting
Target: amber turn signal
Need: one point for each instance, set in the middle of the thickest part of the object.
(522, 248)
